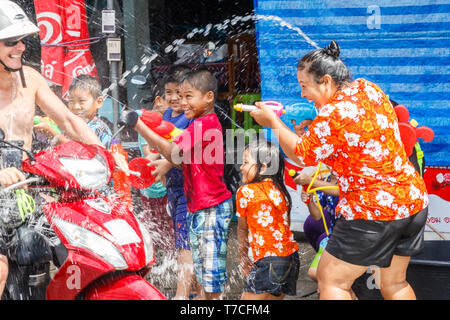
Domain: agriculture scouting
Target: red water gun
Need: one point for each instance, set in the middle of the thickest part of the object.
(154, 121)
(409, 131)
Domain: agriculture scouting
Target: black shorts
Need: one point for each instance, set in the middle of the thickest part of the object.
(373, 243)
(276, 275)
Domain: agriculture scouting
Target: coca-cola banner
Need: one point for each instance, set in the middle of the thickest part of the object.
(78, 59)
(65, 41)
(48, 16)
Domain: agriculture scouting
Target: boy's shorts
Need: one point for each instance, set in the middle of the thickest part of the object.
(275, 275)
(178, 211)
(373, 243)
(208, 234)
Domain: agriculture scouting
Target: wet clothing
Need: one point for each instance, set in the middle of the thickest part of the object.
(178, 212)
(367, 243)
(174, 178)
(203, 163)
(208, 234)
(208, 199)
(314, 229)
(266, 211)
(276, 275)
(101, 129)
(157, 189)
(175, 190)
(357, 135)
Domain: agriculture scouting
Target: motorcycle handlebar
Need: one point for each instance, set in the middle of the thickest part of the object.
(19, 184)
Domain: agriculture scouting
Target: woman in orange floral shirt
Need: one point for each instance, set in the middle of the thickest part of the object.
(263, 207)
(383, 200)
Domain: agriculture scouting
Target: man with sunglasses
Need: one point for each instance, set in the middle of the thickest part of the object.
(21, 88)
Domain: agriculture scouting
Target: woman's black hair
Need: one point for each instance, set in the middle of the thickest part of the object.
(268, 154)
(326, 61)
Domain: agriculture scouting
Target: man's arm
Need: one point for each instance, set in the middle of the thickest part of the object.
(73, 126)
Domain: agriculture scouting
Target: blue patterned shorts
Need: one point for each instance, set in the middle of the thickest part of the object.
(208, 235)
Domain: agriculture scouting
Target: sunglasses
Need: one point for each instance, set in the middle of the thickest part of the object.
(14, 42)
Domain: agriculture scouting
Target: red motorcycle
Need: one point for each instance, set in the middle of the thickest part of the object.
(101, 250)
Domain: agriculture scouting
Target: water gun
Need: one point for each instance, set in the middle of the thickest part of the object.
(292, 112)
(51, 123)
(154, 121)
(294, 174)
(121, 181)
(309, 189)
(141, 173)
(276, 107)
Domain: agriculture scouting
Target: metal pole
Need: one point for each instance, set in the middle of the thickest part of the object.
(114, 78)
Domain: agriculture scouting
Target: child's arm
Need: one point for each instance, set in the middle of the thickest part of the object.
(242, 237)
(168, 149)
(313, 207)
(304, 179)
(162, 166)
(55, 137)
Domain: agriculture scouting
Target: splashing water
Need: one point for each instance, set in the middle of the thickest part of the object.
(164, 269)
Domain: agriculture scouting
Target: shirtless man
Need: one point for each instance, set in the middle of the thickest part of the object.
(21, 88)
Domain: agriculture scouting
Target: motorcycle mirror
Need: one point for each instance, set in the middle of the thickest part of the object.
(139, 80)
(2, 134)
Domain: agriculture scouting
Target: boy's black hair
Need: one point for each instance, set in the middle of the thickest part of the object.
(202, 80)
(176, 73)
(86, 82)
(266, 153)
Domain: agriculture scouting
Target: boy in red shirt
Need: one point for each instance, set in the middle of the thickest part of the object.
(199, 153)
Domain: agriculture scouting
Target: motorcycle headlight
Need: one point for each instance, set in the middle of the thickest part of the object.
(89, 173)
(83, 238)
(148, 243)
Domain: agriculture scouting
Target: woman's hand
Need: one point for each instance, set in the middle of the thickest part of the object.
(302, 178)
(264, 116)
(10, 176)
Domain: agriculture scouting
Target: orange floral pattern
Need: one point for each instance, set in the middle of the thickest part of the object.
(265, 209)
(357, 135)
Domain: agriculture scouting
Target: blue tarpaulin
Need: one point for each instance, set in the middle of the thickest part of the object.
(403, 46)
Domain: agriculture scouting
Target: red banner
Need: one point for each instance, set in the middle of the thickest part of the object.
(64, 34)
(48, 15)
(78, 59)
(437, 180)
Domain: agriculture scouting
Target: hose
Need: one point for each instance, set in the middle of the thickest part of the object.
(309, 190)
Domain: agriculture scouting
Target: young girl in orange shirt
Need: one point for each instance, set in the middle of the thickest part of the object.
(263, 208)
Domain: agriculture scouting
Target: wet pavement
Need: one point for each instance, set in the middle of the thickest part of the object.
(163, 272)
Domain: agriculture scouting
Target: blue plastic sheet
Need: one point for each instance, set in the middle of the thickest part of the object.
(402, 46)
